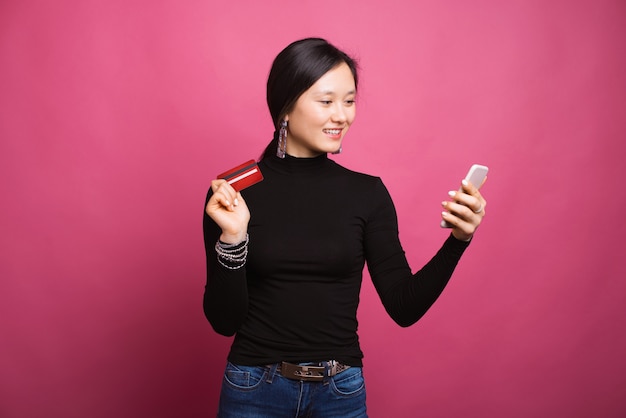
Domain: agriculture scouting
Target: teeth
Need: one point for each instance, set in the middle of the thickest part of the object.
(333, 131)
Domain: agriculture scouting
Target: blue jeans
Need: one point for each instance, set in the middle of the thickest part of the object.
(262, 392)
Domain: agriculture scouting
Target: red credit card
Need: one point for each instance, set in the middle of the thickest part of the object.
(242, 176)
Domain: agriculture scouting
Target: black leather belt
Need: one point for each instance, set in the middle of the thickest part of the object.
(316, 372)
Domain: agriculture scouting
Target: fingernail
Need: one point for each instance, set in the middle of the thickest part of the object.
(227, 203)
(444, 213)
(464, 182)
(236, 202)
(444, 203)
(451, 193)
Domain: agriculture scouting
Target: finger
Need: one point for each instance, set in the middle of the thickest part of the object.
(215, 184)
(462, 229)
(471, 188)
(459, 210)
(474, 202)
(462, 217)
(468, 187)
(239, 199)
(217, 202)
(222, 187)
(459, 225)
(481, 203)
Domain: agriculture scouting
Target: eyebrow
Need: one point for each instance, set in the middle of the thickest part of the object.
(325, 92)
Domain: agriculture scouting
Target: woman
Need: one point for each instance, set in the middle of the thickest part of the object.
(285, 257)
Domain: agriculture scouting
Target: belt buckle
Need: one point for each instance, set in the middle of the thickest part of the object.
(332, 369)
(298, 372)
(329, 368)
(309, 373)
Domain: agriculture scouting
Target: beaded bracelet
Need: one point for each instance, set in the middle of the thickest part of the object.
(232, 256)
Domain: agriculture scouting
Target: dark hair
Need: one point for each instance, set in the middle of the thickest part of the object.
(295, 69)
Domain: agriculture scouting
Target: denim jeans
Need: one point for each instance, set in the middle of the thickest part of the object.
(262, 392)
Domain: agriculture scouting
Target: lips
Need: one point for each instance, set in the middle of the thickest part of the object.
(332, 132)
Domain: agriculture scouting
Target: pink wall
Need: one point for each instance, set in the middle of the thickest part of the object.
(115, 115)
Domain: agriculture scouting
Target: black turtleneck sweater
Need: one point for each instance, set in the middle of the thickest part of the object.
(313, 226)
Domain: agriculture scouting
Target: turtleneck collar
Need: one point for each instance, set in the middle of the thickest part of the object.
(295, 165)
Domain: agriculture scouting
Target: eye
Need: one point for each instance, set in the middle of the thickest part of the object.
(326, 102)
(350, 102)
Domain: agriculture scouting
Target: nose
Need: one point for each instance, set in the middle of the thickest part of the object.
(339, 114)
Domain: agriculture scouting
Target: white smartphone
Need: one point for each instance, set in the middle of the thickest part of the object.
(476, 175)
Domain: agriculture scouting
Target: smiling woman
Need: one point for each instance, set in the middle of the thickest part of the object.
(320, 95)
(285, 257)
(322, 115)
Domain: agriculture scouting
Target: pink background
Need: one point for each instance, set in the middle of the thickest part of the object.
(115, 115)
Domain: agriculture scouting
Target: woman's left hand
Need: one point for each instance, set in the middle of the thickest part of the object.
(465, 211)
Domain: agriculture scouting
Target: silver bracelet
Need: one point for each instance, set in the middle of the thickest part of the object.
(227, 246)
(232, 256)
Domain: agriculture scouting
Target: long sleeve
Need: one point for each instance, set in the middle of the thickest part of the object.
(313, 227)
(405, 296)
(226, 292)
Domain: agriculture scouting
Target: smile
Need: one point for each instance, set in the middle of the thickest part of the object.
(332, 131)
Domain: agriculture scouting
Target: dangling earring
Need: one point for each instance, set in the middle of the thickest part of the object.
(281, 149)
(338, 151)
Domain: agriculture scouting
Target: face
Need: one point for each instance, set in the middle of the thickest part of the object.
(322, 115)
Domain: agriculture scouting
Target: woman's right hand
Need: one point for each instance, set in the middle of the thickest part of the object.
(229, 211)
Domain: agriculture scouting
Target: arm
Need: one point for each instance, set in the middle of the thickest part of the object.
(405, 296)
(226, 293)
